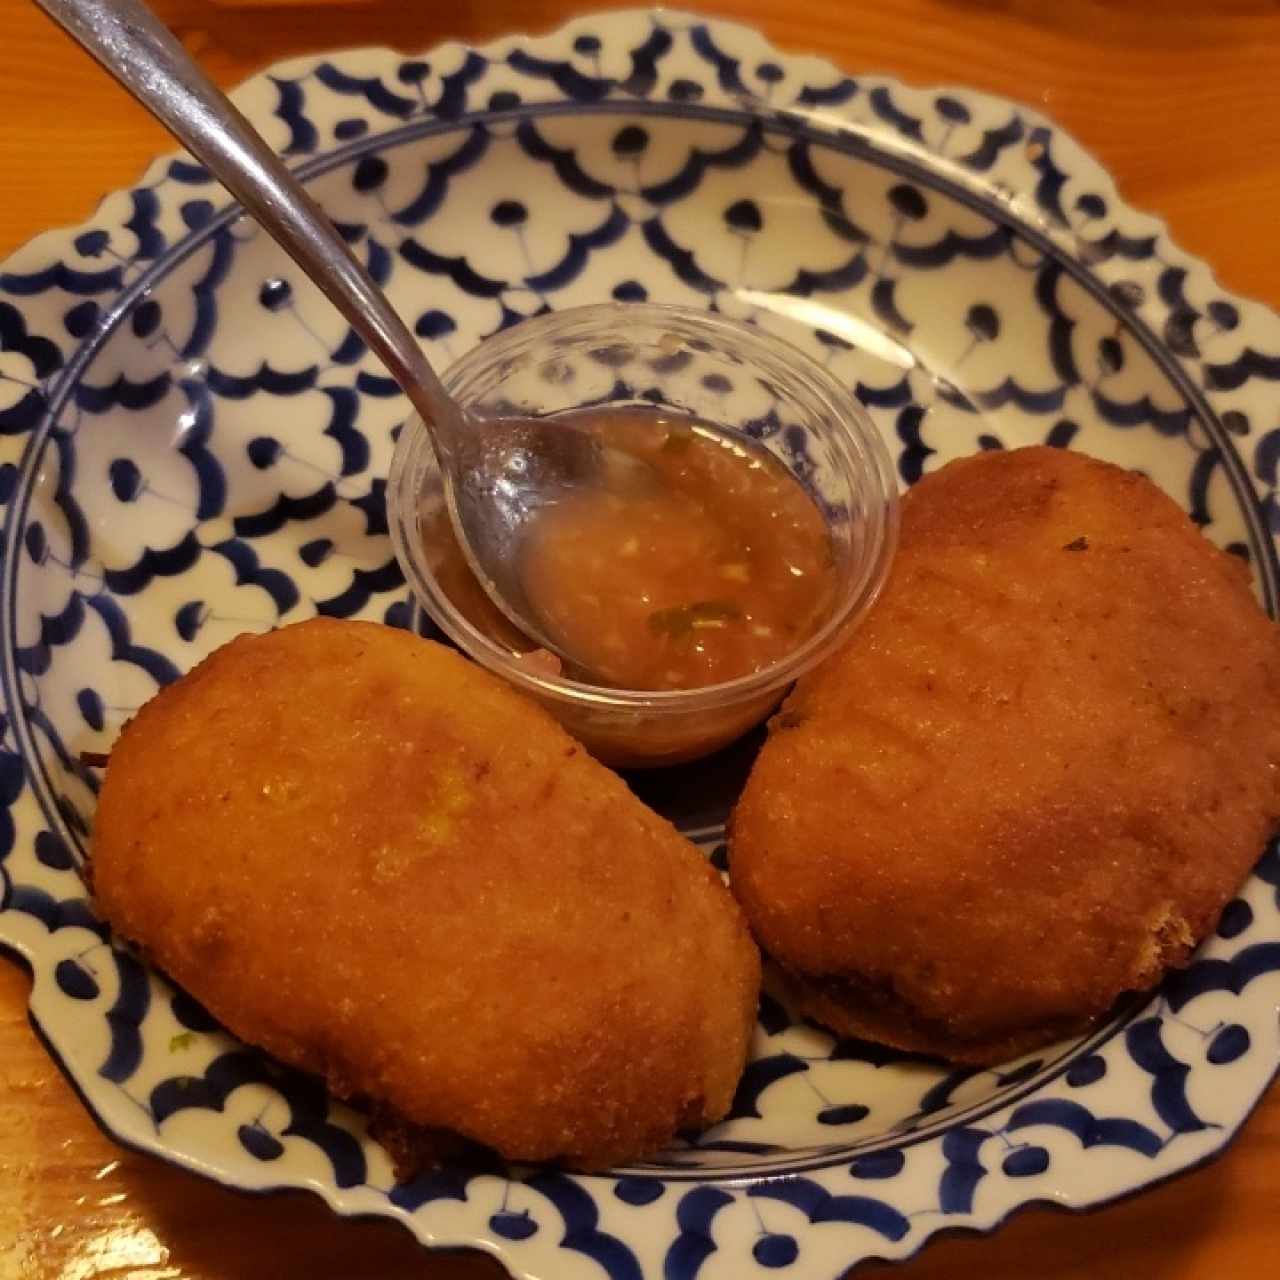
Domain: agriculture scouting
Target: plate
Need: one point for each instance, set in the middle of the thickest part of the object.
(194, 445)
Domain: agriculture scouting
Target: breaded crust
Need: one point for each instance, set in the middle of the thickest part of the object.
(378, 862)
(1031, 780)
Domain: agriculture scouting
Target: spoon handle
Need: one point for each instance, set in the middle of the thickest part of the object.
(131, 43)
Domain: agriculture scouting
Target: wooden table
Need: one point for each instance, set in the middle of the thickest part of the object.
(1178, 98)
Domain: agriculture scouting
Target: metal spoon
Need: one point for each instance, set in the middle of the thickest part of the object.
(498, 472)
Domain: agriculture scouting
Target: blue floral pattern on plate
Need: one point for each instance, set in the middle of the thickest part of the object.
(193, 444)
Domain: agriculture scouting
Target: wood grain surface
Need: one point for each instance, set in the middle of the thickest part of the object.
(1180, 100)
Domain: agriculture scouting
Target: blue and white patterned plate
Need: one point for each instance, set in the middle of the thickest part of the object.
(194, 444)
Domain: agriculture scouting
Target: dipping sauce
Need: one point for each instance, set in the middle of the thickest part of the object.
(725, 567)
(719, 568)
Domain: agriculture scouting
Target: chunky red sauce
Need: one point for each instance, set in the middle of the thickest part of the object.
(719, 569)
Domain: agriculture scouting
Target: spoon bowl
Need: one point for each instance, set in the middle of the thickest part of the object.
(507, 471)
